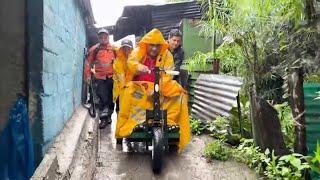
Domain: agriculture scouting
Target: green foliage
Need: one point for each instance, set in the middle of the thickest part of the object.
(286, 167)
(228, 128)
(219, 128)
(216, 150)
(197, 127)
(312, 78)
(245, 116)
(287, 123)
(314, 161)
(270, 34)
(250, 155)
(199, 62)
(292, 166)
(231, 58)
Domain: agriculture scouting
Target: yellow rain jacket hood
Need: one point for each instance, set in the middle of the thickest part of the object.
(137, 97)
(164, 61)
(120, 69)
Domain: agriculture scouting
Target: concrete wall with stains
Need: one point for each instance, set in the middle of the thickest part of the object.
(57, 41)
(64, 40)
(12, 53)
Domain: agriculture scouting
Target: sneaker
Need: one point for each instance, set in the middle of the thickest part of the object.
(109, 120)
(103, 124)
(104, 113)
(87, 105)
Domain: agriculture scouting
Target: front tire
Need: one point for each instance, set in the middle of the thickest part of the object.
(92, 111)
(157, 151)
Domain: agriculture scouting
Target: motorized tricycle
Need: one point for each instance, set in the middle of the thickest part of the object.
(155, 130)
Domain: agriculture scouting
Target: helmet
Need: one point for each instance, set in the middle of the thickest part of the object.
(103, 31)
(126, 42)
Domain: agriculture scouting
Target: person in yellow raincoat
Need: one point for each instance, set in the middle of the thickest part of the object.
(152, 51)
(120, 70)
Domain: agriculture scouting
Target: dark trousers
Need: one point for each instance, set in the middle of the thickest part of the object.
(118, 106)
(104, 93)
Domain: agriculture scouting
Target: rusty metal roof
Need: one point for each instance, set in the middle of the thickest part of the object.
(215, 95)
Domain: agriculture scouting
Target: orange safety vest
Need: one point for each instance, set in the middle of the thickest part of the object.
(101, 58)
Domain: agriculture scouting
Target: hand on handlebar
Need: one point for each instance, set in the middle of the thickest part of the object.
(93, 70)
(144, 69)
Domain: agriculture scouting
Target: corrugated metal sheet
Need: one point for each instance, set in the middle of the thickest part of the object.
(312, 114)
(215, 95)
(169, 16)
(164, 17)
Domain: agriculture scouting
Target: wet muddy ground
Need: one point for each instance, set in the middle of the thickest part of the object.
(115, 162)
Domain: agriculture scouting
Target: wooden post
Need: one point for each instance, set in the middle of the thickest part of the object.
(216, 66)
(297, 106)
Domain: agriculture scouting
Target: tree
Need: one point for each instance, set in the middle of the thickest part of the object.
(275, 38)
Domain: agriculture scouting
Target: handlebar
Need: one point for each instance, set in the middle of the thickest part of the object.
(171, 72)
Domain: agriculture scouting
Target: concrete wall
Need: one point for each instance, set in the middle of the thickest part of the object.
(64, 40)
(35, 64)
(12, 51)
(57, 39)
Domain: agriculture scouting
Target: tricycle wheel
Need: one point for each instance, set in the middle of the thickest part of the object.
(173, 148)
(92, 111)
(157, 151)
(119, 141)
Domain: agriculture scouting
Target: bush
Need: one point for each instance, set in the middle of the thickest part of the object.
(250, 155)
(292, 166)
(287, 124)
(197, 127)
(216, 150)
(286, 167)
(314, 161)
(219, 128)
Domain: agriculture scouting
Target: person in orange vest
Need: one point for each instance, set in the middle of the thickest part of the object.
(120, 69)
(99, 63)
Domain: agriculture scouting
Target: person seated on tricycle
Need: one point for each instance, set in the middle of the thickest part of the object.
(152, 51)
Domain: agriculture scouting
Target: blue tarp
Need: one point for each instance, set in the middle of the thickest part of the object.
(16, 147)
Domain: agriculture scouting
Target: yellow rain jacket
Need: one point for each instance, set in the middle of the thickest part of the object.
(119, 73)
(137, 98)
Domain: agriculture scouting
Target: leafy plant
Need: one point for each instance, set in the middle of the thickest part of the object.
(269, 33)
(292, 166)
(245, 118)
(250, 155)
(312, 78)
(219, 128)
(231, 58)
(287, 123)
(199, 62)
(314, 161)
(216, 150)
(286, 167)
(197, 127)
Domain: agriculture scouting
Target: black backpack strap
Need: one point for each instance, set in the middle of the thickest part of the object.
(95, 52)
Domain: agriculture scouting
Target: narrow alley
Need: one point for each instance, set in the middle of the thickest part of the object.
(115, 162)
(159, 89)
